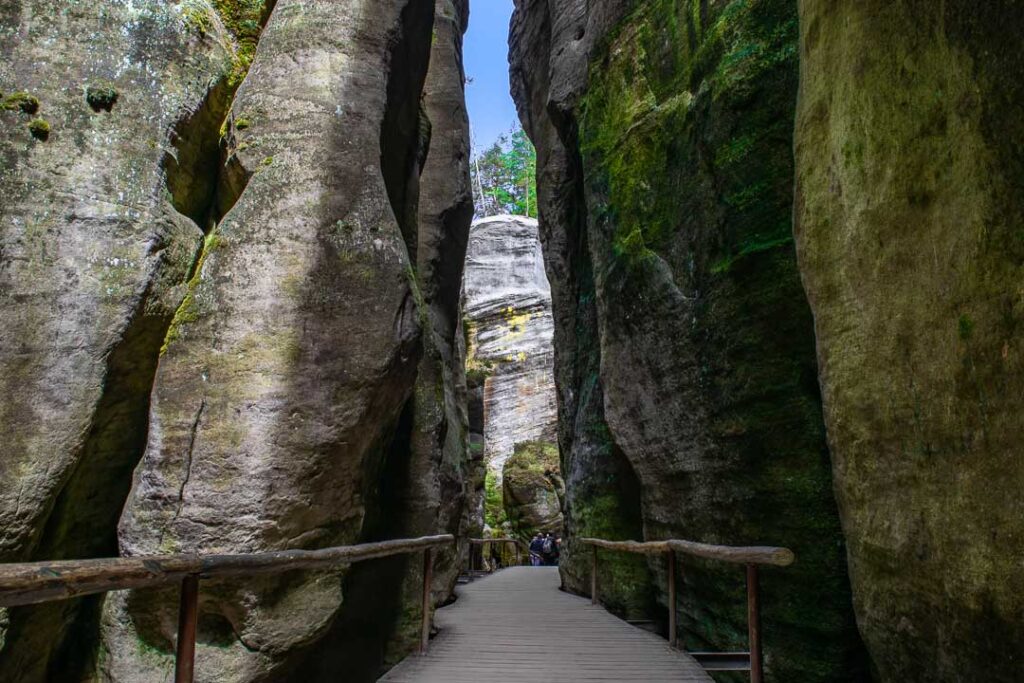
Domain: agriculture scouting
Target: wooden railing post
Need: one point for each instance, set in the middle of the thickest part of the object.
(593, 575)
(754, 624)
(188, 616)
(671, 598)
(428, 579)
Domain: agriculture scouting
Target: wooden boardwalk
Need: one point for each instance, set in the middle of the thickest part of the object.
(517, 626)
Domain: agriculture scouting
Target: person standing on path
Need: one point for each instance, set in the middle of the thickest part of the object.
(536, 549)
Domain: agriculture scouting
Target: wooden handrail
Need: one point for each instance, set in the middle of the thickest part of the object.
(35, 582)
(767, 555)
(751, 556)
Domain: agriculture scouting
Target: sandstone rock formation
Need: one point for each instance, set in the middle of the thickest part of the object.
(533, 489)
(102, 218)
(910, 207)
(507, 304)
(275, 251)
(685, 364)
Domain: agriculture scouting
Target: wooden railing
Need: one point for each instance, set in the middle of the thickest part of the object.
(752, 557)
(35, 582)
(481, 542)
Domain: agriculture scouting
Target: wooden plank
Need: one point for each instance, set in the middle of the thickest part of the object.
(517, 626)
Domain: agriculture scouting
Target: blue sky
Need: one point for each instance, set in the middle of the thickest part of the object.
(491, 110)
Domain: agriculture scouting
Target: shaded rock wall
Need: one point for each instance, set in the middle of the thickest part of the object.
(686, 369)
(910, 205)
(507, 309)
(275, 252)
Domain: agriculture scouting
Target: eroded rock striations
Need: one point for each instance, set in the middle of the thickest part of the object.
(685, 363)
(507, 304)
(910, 206)
(274, 250)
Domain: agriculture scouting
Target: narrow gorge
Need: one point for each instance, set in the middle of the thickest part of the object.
(771, 298)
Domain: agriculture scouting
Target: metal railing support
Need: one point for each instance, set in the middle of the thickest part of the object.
(188, 617)
(593, 575)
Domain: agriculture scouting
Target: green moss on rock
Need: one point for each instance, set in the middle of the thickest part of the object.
(686, 141)
(101, 97)
(21, 101)
(40, 129)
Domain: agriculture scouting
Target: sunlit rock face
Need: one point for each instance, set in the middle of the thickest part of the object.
(109, 126)
(507, 308)
(219, 269)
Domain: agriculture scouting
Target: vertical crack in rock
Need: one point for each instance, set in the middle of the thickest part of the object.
(405, 133)
(188, 458)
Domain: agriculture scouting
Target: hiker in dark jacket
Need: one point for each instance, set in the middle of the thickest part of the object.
(536, 549)
(549, 550)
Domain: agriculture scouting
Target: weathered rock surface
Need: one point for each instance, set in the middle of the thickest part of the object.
(533, 489)
(275, 251)
(507, 308)
(97, 240)
(266, 432)
(910, 207)
(686, 370)
(429, 495)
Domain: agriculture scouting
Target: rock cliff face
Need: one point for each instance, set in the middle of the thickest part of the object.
(251, 288)
(910, 206)
(533, 489)
(686, 374)
(110, 137)
(507, 304)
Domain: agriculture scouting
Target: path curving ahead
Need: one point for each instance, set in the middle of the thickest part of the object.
(517, 626)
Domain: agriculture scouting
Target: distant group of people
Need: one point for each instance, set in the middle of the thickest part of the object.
(544, 550)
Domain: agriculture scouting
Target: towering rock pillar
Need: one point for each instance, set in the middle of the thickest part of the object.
(287, 367)
(509, 324)
(688, 392)
(910, 216)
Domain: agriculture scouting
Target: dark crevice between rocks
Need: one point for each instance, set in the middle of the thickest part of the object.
(405, 132)
(59, 641)
(194, 169)
(355, 648)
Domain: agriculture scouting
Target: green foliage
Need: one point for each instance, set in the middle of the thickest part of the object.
(39, 128)
(101, 97)
(505, 177)
(494, 506)
(244, 20)
(21, 101)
